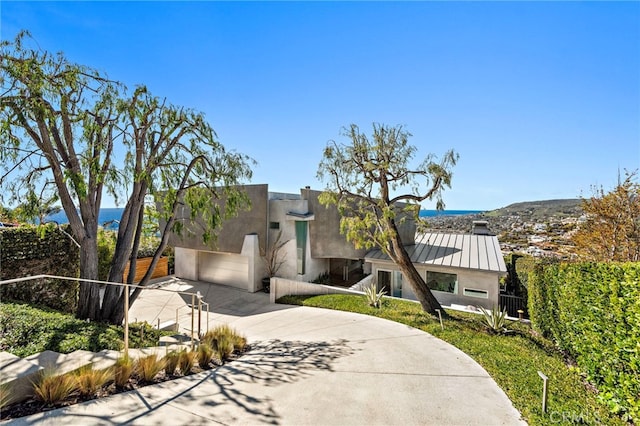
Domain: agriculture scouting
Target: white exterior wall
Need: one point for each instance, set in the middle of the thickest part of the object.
(278, 210)
(186, 263)
(223, 268)
(467, 278)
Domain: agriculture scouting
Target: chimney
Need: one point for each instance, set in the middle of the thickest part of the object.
(481, 227)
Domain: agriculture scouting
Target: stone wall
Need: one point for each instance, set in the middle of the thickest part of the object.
(28, 251)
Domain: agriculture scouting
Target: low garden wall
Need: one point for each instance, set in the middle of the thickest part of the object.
(284, 287)
(592, 311)
(46, 250)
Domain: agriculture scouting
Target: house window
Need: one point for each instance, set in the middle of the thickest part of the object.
(472, 292)
(301, 245)
(396, 284)
(390, 282)
(274, 225)
(440, 281)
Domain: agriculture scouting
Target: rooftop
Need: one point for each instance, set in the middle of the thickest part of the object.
(469, 251)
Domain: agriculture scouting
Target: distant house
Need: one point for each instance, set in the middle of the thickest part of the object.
(462, 269)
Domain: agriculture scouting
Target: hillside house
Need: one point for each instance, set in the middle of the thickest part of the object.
(460, 269)
(314, 245)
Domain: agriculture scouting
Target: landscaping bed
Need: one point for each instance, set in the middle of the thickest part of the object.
(26, 330)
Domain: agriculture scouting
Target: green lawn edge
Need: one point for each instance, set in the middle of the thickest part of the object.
(513, 360)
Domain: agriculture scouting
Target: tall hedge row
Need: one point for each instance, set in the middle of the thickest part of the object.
(27, 251)
(592, 311)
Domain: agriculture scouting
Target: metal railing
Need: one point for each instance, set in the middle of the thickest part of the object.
(513, 304)
(127, 289)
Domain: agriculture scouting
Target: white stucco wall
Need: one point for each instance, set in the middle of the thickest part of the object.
(186, 263)
(467, 278)
(278, 210)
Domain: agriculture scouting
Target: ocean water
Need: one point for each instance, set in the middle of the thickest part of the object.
(110, 216)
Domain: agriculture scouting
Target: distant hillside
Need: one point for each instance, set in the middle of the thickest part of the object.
(540, 209)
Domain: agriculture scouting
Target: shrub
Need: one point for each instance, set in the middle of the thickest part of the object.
(53, 389)
(28, 329)
(186, 361)
(373, 297)
(122, 371)
(149, 367)
(171, 363)
(592, 311)
(89, 381)
(224, 340)
(204, 353)
(223, 348)
(30, 250)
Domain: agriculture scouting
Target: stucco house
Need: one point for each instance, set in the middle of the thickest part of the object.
(314, 245)
(460, 269)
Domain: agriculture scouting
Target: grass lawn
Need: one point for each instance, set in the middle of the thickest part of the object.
(27, 329)
(512, 360)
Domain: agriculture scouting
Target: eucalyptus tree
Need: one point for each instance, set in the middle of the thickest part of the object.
(173, 155)
(364, 179)
(69, 124)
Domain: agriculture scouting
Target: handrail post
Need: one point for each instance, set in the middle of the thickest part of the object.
(199, 315)
(126, 320)
(193, 302)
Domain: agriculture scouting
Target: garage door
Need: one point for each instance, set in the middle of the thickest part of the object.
(227, 269)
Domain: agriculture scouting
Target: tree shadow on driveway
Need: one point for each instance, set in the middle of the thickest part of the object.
(235, 393)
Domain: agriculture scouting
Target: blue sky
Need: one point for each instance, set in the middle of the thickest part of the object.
(540, 99)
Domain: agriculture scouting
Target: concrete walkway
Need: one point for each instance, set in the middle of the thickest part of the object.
(307, 366)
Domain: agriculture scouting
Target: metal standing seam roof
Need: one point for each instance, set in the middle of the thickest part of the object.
(469, 251)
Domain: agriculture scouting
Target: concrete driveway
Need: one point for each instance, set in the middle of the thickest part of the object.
(307, 366)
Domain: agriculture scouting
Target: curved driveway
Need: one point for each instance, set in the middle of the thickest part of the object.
(308, 366)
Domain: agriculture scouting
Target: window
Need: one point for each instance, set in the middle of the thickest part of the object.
(301, 245)
(472, 292)
(274, 225)
(440, 281)
(396, 287)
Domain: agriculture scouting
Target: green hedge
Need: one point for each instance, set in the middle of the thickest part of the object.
(29, 329)
(592, 311)
(30, 250)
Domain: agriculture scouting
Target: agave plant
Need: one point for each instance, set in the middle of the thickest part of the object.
(373, 296)
(496, 320)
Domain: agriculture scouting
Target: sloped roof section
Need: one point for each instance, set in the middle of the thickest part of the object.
(469, 251)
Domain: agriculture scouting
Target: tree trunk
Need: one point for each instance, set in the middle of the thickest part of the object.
(89, 293)
(401, 258)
